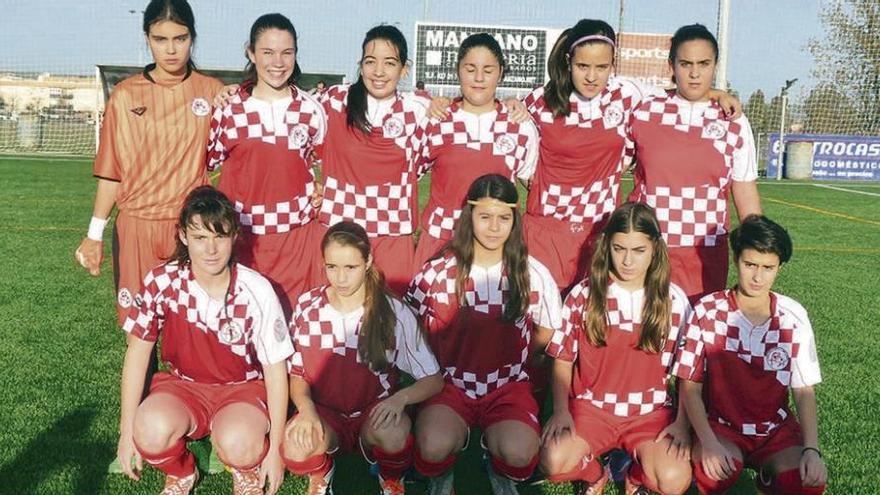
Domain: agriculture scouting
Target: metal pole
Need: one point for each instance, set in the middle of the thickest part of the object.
(781, 154)
(622, 6)
(721, 70)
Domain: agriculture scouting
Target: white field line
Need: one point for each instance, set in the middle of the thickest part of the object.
(826, 186)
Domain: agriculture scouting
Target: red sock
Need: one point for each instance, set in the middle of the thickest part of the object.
(316, 464)
(590, 472)
(789, 483)
(433, 469)
(708, 486)
(392, 465)
(177, 461)
(516, 473)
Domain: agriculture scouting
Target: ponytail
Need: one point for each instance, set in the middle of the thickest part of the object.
(378, 323)
(357, 92)
(557, 92)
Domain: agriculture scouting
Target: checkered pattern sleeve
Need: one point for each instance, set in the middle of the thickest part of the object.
(547, 312)
(414, 356)
(564, 342)
(805, 370)
(427, 155)
(534, 102)
(745, 158)
(420, 292)
(298, 325)
(270, 335)
(217, 139)
(690, 356)
(146, 315)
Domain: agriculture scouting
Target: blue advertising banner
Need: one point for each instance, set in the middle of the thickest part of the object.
(835, 156)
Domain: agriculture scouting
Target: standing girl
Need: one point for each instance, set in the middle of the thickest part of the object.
(370, 154)
(690, 159)
(613, 360)
(151, 152)
(352, 340)
(225, 343)
(483, 302)
(264, 137)
(477, 137)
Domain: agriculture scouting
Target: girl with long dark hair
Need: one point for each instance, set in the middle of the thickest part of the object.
(484, 302)
(613, 361)
(353, 338)
(370, 154)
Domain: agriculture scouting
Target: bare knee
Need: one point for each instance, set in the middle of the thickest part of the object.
(390, 439)
(436, 445)
(674, 479)
(556, 460)
(238, 447)
(156, 431)
(517, 452)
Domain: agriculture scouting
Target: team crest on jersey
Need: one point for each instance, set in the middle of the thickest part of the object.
(777, 359)
(576, 228)
(715, 130)
(504, 144)
(392, 128)
(613, 116)
(279, 329)
(230, 333)
(124, 298)
(299, 135)
(200, 107)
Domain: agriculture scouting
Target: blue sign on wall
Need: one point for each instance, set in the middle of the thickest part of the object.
(835, 157)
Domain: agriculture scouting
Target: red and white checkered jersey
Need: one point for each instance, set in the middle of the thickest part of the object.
(464, 146)
(265, 149)
(747, 369)
(582, 155)
(205, 340)
(371, 179)
(687, 155)
(477, 350)
(619, 377)
(326, 355)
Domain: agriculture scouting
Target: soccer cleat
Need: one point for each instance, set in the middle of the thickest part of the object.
(246, 482)
(442, 485)
(322, 484)
(501, 485)
(584, 488)
(391, 486)
(179, 486)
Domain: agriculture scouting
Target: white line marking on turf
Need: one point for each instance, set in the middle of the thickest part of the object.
(826, 186)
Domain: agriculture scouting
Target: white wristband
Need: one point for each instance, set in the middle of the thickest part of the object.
(96, 229)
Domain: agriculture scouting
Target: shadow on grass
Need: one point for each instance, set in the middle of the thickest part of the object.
(66, 450)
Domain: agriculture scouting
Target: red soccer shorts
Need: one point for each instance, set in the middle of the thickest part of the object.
(138, 246)
(604, 431)
(346, 427)
(699, 270)
(565, 248)
(511, 402)
(204, 400)
(756, 449)
(292, 261)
